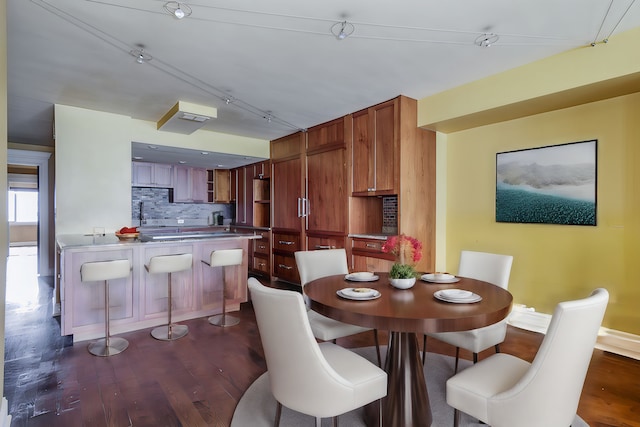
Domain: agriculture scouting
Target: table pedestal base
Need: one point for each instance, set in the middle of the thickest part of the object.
(407, 401)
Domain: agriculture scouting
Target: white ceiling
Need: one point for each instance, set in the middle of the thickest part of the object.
(276, 62)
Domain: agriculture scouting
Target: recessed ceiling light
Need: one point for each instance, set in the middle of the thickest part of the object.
(182, 162)
(204, 153)
(152, 147)
(138, 157)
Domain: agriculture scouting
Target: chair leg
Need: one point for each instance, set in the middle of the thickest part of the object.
(456, 418)
(497, 347)
(455, 370)
(318, 422)
(424, 347)
(222, 319)
(335, 421)
(375, 337)
(276, 421)
(475, 358)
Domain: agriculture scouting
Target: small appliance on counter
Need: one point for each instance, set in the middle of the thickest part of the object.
(216, 218)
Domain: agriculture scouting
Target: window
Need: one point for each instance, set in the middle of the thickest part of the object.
(23, 205)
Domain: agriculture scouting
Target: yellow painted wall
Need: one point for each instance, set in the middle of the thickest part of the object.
(93, 164)
(553, 263)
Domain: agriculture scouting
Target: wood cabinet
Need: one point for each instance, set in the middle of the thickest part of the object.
(145, 174)
(288, 203)
(367, 255)
(409, 155)
(327, 183)
(375, 149)
(218, 185)
(244, 195)
(190, 184)
(262, 253)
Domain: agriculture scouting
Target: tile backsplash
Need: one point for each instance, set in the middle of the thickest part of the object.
(157, 209)
(390, 215)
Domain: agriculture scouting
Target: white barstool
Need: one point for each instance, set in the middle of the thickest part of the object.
(223, 258)
(169, 264)
(105, 271)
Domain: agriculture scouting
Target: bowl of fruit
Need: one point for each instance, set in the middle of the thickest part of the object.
(127, 233)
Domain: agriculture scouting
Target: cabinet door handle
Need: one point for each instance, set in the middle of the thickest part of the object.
(371, 189)
(262, 247)
(372, 245)
(299, 207)
(286, 267)
(285, 242)
(306, 210)
(325, 247)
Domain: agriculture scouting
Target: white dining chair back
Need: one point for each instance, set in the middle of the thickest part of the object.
(314, 265)
(488, 267)
(505, 391)
(321, 380)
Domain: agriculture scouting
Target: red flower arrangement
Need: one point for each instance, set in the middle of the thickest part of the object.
(407, 249)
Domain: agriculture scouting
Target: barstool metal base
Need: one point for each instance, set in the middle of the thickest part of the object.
(116, 346)
(170, 332)
(223, 320)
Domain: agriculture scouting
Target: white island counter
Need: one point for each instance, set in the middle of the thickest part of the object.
(140, 301)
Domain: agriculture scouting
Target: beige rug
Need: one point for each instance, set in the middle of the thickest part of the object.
(257, 407)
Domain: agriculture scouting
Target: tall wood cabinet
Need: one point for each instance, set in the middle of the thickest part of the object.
(288, 204)
(403, 160)
(327, 185)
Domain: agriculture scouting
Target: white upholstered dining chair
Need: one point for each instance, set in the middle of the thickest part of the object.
(314, 265)
(492, 268)
(318, 379)
(505, 391)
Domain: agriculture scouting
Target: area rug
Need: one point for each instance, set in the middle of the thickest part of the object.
(257, 407)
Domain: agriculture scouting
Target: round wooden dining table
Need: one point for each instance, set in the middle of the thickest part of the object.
(405, 313)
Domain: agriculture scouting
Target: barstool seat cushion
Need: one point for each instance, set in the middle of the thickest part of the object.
(224, 257)
(169, 263)
(105, 270)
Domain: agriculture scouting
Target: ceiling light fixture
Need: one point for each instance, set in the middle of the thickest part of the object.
(342, 30)
(179, 10)
(487, 39)
(140, 55)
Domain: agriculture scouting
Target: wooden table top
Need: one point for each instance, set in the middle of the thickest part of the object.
(410, 310)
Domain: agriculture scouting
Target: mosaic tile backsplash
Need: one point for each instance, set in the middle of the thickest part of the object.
(157, 209)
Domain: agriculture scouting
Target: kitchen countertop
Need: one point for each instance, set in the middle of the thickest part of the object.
(66, 241)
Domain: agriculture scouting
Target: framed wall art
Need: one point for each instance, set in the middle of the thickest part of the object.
(549, 185)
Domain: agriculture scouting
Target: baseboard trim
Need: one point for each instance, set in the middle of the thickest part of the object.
(611, 340)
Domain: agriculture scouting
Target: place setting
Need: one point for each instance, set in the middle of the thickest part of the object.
(359, 294)
(458, 296)
(439, 278)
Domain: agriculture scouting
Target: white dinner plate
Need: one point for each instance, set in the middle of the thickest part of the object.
(351, 293)
(359, 277)
(457, 296)
(432, 279)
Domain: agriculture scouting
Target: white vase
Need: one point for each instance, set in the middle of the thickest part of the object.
(403, 283)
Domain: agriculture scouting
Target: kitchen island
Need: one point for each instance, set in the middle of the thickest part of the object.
(140, 301)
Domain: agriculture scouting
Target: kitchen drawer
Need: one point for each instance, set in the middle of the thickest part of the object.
(261, 265)
(286, 242)
(261, 246)
(315, 243)
(367, 244)
(285, 268)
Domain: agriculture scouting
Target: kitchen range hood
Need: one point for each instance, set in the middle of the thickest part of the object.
(186, 118)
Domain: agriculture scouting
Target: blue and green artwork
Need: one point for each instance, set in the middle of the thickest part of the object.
(548, 185)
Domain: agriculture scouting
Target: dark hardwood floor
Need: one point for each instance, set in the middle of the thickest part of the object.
(198, 380)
